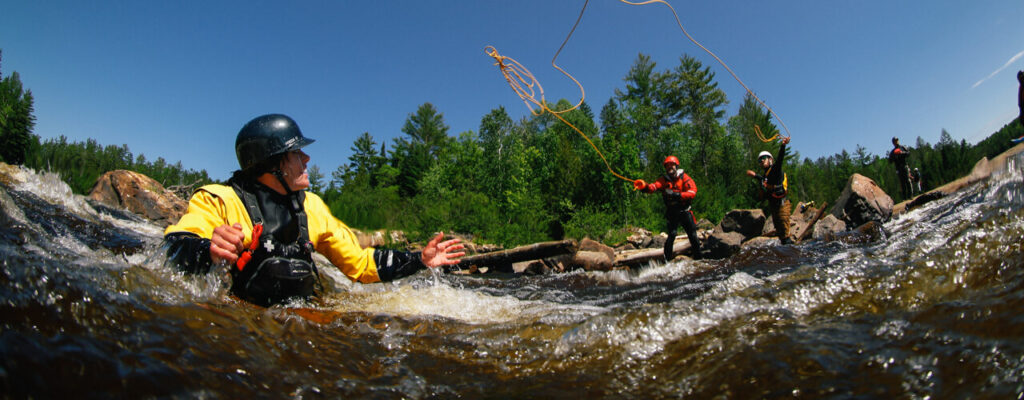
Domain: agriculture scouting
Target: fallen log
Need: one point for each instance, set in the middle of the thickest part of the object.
(633, 258)
(503, 260)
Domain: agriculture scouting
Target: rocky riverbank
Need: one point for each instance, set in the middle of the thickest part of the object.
(856, 216)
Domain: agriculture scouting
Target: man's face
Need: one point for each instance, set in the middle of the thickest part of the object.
(670, 169)
(294, 168)
(766, 162)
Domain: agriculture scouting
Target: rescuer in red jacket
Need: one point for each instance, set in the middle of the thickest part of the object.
(678, 191)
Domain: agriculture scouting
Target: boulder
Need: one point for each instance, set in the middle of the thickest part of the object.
(705, 225)
(639, 237)
(769, 227)
(723, 244)
(803, 215)
(139, 194)
(759, 241)
(861, 201)
(870, 232)
(592, 261)
(658, 242)
(828, 227)
(588, 244)
(749, 223)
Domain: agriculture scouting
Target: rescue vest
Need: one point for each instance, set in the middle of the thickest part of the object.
(273, 272)
(676, 184)
(775, 191)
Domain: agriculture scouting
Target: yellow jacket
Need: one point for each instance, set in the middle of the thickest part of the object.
(215, 205)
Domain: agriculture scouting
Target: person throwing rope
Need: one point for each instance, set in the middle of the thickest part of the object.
(677, 191)
(774, 188)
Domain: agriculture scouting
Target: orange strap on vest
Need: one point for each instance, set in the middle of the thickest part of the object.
(253, 245)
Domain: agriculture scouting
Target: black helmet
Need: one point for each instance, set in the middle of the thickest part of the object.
(266, 136)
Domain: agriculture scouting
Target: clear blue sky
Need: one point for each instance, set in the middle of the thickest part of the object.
(178, 79)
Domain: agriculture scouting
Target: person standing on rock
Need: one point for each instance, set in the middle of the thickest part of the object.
(265, 226)
(1020, 103)
(915, 175)
(677, 191)
(898, 156)
(774, 187)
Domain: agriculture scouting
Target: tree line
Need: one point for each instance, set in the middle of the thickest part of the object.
(535, 179)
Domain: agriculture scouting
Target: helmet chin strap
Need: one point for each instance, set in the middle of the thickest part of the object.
(287, 189)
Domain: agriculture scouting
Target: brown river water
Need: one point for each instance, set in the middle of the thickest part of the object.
(933, 310)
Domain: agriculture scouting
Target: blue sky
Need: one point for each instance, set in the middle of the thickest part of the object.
(178, 79)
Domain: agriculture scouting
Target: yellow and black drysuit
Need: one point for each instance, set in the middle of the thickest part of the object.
(774, 188)
(294, 225)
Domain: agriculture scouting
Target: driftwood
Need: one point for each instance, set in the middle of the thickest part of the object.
(810, 225)
(644, 256)
(504, 259)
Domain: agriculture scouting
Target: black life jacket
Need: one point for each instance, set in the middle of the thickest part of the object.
(775, 191)
(276, 271)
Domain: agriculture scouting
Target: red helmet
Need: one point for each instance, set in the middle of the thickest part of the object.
(671, 160)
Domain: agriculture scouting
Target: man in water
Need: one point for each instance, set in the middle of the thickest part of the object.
(678, 191)
(774, 188)
(898, 156)
(265, 226)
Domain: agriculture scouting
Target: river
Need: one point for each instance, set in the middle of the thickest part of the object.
(933, 310)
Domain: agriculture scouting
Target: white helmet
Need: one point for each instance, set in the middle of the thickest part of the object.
(764, 154)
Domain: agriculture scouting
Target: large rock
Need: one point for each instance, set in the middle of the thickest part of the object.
(861, 201)
(803, 215)
(139, 194)
(749, 223)
(828, 227)
(723, 244)
(639, 237)
(588, 244)
(593, 261)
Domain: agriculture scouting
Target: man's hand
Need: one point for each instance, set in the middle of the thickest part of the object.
(785, 140)
(226, 243)
(751, 174)
(639, 184)
(438, 253)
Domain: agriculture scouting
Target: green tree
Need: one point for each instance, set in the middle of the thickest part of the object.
(16, 119)
(316, 179)
(693, 94)
(427, 133)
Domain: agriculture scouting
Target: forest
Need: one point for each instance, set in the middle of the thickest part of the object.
(535, 179)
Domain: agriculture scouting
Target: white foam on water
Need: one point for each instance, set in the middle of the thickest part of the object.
(409, 299)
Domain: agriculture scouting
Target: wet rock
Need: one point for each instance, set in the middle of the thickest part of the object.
(828, 227)
(861, 201)
(723, 244)
(869, 232)
(139, 194)
(749, 223)
(759, 241)
(925, 199)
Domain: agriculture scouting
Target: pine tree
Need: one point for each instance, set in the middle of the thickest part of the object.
(16, 119)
